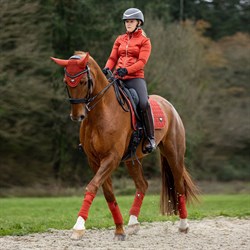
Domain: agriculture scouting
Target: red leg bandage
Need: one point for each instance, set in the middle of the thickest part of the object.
(136, 207)
(182, 206)
(117, 216)
(88, 199)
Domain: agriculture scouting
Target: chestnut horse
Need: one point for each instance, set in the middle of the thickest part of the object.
(105, 134)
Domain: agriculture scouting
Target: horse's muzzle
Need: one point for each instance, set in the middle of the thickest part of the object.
(77, 118)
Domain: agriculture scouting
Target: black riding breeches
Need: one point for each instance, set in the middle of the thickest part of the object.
(140, 86)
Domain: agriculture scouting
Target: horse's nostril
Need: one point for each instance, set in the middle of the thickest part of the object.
(77, 118)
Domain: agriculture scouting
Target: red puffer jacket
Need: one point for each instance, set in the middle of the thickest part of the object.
(130, 51)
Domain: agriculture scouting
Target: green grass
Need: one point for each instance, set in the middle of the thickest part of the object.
(20, 216)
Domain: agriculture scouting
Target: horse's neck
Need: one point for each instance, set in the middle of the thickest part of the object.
(107, 97)
(106, 117)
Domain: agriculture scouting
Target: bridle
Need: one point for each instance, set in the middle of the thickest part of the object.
(90, 86)
(88, 100)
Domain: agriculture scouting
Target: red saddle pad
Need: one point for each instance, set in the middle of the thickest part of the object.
(159, 116)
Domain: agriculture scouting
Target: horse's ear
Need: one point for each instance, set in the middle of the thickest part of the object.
(83, 62)
(60, 62)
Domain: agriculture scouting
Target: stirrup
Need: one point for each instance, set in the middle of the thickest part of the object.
(151, 145)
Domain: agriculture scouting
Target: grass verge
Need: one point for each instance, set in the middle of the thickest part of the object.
(20, 216)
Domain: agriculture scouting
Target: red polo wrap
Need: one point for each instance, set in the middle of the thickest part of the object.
(88, 199)
(136, 207)
(182, 206)
(114, 208)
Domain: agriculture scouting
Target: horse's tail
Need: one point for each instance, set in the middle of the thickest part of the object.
(191, 190)
(169, 201)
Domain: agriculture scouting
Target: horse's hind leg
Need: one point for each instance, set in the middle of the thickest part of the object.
(177, 184)
(114, 209)
(136, 172)
(175, 200)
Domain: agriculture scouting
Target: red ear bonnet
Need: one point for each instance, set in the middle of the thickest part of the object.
(74, 68)
(60, 61)
(83, 61)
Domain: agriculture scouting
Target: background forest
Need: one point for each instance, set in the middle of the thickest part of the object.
(200, 62)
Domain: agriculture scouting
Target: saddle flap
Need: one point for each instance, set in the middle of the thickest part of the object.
(134, 96)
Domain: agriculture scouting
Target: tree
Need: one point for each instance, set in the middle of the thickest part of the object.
(229, 131)
(176, 71)
(201, 77)
(226, 17)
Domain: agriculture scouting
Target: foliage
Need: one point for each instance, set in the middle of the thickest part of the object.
(206, 80)
(226, 17)
(230, 101)
(20, 216)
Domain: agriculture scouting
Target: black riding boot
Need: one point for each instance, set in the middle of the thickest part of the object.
(149, 129)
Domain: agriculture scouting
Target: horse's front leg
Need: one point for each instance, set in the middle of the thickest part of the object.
(114, 209)
(136, 172)
(107, 165)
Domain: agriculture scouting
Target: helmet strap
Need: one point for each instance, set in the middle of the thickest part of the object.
(137, 27)
(135, 30)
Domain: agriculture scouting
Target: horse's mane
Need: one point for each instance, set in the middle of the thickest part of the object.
(80, 53)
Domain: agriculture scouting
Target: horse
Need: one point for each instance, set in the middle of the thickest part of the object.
(94, 104)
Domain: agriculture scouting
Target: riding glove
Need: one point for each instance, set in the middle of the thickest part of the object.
(122, 72)
(105, 71)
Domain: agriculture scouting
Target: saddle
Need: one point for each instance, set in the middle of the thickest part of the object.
(131, 98)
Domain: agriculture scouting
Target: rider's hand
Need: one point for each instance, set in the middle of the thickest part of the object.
(105, 71)
(122, 72)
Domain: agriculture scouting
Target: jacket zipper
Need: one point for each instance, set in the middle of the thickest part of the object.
(127, 50)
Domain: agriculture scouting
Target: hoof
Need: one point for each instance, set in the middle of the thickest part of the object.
(120, 237)
(133, 229)
(184, 230)
(77, 234)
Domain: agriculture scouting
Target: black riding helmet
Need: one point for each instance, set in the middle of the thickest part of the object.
(133, 13)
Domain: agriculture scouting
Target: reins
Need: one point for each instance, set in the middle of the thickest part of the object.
(119, 95)
(101, 93)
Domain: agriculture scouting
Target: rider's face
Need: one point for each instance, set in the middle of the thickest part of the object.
(131, 25)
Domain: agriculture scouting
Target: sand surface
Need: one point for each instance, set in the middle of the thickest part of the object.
(219, 233)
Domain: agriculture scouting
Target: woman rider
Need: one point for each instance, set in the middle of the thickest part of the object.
(129, 56)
